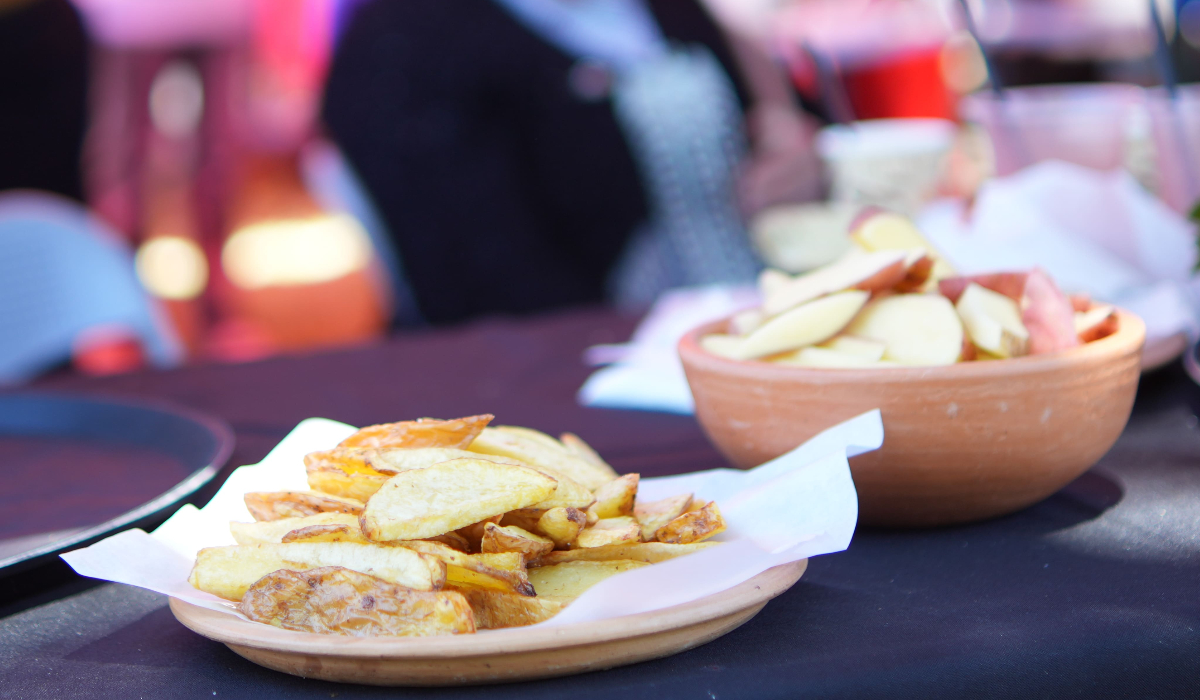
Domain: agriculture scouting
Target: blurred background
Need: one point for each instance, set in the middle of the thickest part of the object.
(192, 133)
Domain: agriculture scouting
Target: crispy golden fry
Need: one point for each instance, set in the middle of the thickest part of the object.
(649, 552)
(276, 505)
(652, 515)
(327, 533)
(452, 540)
(336, 600)
(427, 502)
(524, 518)
(693, 526)
(616, 498)
(576, 446)
(473, 533)
(538, 454)
(562, 525)
(696, 505)
(423, 432)
(497, 609)
(610, 531)
(531, 434)
(358, 472)
(359, 486)
(504, 572)
(228, 571)
(565, 582)
(273, 531)
(514, 539)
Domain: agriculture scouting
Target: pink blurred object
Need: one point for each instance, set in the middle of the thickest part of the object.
(1085, 124)
(1175, 126)
(166, 23)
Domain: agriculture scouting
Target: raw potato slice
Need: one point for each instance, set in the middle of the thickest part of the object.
(722, 345)
(566, 582)
(693, 526)
(610, 531)
(562, 525)
(863, 347)
(276, 505)
(807, 324)
(537, 454)
(824, 357)
(744, 322)
(1010, 284)
(1096, 323)
(229, 571)
(917, 274)
(654, 514)
(273, 531)
(576, 446)
(771, 281)
(992, 321)
(426, 502)
(649, 552)
(918, 329)
(497, 610)
(335, 600)
(423, 432)
(616, 498)
(862, 271)
(883, 230)
(514, 539)
(1048, 315)
(503, 571)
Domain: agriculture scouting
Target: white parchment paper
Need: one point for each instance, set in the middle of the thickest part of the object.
(800, 505)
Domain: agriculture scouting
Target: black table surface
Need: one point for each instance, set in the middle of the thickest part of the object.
(1091, 594)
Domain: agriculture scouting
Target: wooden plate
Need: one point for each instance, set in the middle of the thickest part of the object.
(493, 657)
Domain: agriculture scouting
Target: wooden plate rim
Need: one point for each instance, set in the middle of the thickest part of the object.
(229, 629)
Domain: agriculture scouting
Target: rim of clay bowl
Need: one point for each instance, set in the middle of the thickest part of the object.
(1129, 338)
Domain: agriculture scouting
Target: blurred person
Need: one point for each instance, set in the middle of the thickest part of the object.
(529, 154)
(43, 96)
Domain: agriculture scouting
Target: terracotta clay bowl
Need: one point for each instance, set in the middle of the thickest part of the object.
(962, 443)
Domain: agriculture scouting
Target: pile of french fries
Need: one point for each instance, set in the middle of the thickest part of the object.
(433, 527)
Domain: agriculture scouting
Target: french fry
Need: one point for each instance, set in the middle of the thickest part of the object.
(514, 539)
(326, 533)
(358, 472)
(473, 533)
(610, 531)
(653, 515)
(423, 432)
(576, 446)
(524, 518)
(497, 571)
(539, 454)
(693, 526)
(496, 609)
(562, 525)
(452, 540)
(229, 571)
(566, 582)
(276, 505)
(423, 503)
(273, 531)
(649, 552)
(335, 600)
(616, 498)
(358, 486)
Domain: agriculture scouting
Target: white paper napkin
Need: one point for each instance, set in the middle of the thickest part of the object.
(800, 505)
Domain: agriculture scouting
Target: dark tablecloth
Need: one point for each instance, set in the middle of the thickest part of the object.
(1091, 594)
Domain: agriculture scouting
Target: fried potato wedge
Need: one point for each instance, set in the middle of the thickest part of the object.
(358, 486)
(273, 531)
(693, 526)
(229, 571)
(453, 540)
(497, 610)
(537, 453)
(696, 505)
(330, 532)
(514, 539)
(610, 531)
(566, 582)
(276, 505)
(494, 571)
(652, 515)
(616, 498)
(423, 432)
(524, 518)
(473, 533)
(576, 446)
(426, 502)
(649, 552)
(336, 600)
(562, 525)
(358, 472)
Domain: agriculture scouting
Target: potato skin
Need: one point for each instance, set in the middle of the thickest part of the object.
(335, 600)
(693, 526)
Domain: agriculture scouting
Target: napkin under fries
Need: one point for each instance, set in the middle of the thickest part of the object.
(796, 506)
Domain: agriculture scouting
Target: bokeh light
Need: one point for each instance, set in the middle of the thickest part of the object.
(177, 99)
(172, 267)
(295, 252)
(961, 63)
